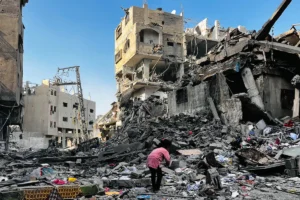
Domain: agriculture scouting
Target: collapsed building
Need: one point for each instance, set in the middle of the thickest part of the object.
(11, 64)
(245, 75)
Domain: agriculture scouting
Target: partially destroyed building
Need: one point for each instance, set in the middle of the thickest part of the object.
(52, 113)
(148, 47)
(236, 73)
(11, 63)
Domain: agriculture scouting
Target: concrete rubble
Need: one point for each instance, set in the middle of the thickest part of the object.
(230, 142)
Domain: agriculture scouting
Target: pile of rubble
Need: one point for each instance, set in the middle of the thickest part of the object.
(209, 160)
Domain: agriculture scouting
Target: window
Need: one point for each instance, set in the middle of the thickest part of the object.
(65, 104)
(20, 44)
(51, 92)
(127, 45)
(181, 96)
(51, 124)
(51, 109)
(54, 93)
(75, 106)
(91, 111)
(118, 57)
(287, 99)
(163, 22)
(54, 110)
(171, 44)
(118, 31)
(142, 36)
(65, 119)
(54, 124)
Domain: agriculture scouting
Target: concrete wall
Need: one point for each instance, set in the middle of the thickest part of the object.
(11, 54)
(272, 95)
(36, 113)
(196, 100)
(30, 140)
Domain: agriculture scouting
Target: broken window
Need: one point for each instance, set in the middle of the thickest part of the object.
(91, 111)
(65, 104)
(54, 124)
(20, 44)
(65, 119)
(181, 96)
(118, 31)
(142, 36)
(75, 106)
(126, 46)
(149, 36)
(171, 44)
(287, 99)
(51, 124)
(118, 57)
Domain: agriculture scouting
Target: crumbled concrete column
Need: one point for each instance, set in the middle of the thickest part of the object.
(251, 88)
(146, 69)
(180, 72)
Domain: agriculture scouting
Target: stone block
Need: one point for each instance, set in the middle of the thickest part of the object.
(215, 146)
(167, 170)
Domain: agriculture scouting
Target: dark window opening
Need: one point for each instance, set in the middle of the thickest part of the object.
(54, 93)
(20, 44)
(127, 45)
(65, 119)
(171, 44)
(51, 92)
(287, 99)
(54, 110)
(51, 124)
(118, 31)
(75, 106)
(51, 110)
(142, 36)
(181, 96)
(118, 57)
(178, 43)
(91, 111)
(54, 124)
(65, 104)
(78, 130)
(163, 22)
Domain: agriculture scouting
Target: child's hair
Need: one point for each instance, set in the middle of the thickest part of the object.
(165, 143)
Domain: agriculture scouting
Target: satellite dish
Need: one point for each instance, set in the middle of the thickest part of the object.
(173, 12)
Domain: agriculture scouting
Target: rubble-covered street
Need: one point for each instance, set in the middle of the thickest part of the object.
(209, 161)
(227, 98)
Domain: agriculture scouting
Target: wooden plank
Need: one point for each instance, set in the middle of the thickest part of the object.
(188, 152)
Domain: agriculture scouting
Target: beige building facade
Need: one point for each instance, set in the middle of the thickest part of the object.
(148, 47)
(54, 113)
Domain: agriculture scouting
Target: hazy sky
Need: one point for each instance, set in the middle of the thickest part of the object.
(62, 33)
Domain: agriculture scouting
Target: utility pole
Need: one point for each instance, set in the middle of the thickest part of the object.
(58, 82)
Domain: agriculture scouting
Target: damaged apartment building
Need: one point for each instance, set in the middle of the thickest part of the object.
(11, 64)
(236, 73)
(53, 113)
